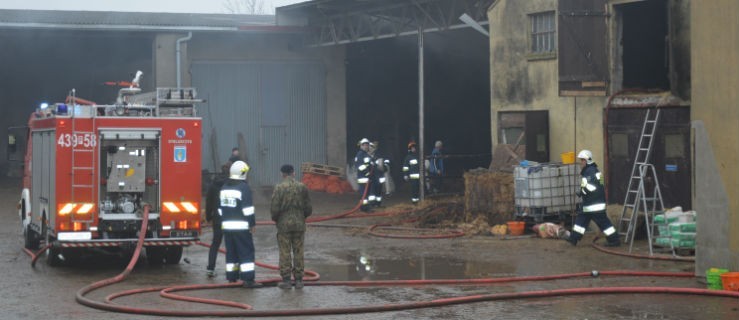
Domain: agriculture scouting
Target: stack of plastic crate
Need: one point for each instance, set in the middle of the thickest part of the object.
(676, 229)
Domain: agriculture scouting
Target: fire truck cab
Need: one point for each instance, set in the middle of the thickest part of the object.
(91, 170)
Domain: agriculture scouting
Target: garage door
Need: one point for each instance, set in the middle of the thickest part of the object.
(279, 108)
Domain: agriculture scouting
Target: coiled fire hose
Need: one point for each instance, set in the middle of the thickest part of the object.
(245, 310)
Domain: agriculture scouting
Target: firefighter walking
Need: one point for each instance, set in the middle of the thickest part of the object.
(238, 224)
(289, 207)
(365, 170)
(593, 196)
(411, 172)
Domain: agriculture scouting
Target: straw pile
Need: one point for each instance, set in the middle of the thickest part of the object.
(489, 194)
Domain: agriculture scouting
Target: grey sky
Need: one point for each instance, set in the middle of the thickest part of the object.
(190, 6)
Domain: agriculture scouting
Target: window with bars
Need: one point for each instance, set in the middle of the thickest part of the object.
(543, 33)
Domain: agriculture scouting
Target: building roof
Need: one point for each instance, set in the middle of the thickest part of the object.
(132, 21)
(336, 22)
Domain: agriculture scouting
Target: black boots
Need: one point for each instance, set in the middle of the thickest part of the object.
(285, 284)
(613, 241)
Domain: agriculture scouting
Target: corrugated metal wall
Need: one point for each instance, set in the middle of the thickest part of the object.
(279, 108)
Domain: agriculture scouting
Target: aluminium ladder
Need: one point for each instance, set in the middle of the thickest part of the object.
(630, 211)
(650, 203)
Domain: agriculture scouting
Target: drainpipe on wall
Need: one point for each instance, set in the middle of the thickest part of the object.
(179, 54)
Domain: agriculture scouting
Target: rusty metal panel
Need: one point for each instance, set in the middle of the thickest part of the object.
(278, 107)
(670, 153)
(583, 68)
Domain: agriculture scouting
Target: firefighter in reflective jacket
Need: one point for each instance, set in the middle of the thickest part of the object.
(365, 170)
(379, 175)
(238, 222)
(411, 172)
(593, 196)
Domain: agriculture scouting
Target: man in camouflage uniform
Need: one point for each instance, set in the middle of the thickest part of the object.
(289, 208)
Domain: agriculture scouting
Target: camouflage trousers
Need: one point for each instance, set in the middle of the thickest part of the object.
(291, 253)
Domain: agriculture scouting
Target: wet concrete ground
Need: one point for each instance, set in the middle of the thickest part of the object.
(352, 254)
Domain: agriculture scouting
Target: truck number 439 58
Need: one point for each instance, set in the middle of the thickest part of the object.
(87, 140)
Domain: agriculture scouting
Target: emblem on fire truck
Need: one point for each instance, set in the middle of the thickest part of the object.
(180, 154)
(180, 133)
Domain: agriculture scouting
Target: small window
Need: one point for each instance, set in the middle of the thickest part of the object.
(619, 145)
(674, 146)
(543, 32)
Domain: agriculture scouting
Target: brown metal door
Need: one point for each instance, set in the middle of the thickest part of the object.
(670, 153)
(624, 128)
(671, 157)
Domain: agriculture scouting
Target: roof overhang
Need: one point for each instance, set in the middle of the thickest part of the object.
(140, 21)
(336, 22)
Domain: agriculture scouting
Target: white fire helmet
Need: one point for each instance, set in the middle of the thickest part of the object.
(587, 155)
(238, 170)
(363, 141)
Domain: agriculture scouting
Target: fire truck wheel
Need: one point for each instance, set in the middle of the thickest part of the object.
(155, 255)
(53, 257)
(173, 256)
(31, 239)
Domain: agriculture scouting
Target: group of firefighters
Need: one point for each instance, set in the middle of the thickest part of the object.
(230, 207)
(372, 172)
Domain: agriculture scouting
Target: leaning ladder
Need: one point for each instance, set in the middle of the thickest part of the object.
(629, 213)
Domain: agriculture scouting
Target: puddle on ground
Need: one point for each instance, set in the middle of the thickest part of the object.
(361, 266)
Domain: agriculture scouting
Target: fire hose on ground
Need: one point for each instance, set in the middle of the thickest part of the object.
(245, 310)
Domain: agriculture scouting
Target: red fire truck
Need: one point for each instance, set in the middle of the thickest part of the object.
(89, 171)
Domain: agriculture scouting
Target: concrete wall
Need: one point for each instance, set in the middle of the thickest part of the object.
(262, 47)
(520, 84)
(715, 74)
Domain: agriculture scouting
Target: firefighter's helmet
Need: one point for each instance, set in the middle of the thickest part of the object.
(363, 141)
(238, 170)
(411, 144)
(586, 155)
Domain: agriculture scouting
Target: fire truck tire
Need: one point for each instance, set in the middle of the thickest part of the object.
(155, 255)
(52, 257)
(31, 239)
(174, 254)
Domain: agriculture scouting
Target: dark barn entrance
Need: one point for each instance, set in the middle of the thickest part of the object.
(382, 96)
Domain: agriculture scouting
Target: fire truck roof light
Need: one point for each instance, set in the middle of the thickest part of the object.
(61, 109)
(189, 207)
(171, 207)
(43, 105)
(66, 209)
(85, 209)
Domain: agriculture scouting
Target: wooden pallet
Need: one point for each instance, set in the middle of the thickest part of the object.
(322, 169)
